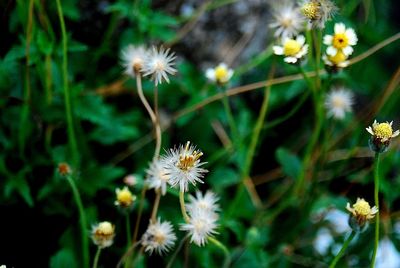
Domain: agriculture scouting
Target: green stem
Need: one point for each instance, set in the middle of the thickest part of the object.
(376, 196)
(82, 221)
(128, 230)
(183, 208)
(344, 247)
(96, 257)
(224, 249)
(228, 111)
(67, 97)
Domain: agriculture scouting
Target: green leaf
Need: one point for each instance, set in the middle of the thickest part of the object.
(64, 258)
(44, 44)
(290, 163)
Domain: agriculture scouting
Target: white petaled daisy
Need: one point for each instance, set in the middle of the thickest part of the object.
(206, 202)
(103, 234)
(382, 132)
(133, 59)
(342, 40)
(159, 64)
(339, 101)
(288, 21)
(292, 49)
(220, 74)
(201, 226)
(339, 60)
(157, 178)
(362, 211)
(183, 166)
(318, 12)
(159, 237)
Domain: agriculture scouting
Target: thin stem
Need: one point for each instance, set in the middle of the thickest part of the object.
(376, 196)
(228, 111)
(96, 257)
(139, 214)
(344, 247)
(173, 257)
(127, 253)
(151, 113)
(82, 220)
(155, 206)
(183, 208)
(128, 230)
(67, 97)
(224, 249)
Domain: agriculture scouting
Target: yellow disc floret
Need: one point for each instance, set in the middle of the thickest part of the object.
(124, 197)
(338, 58)
(362, 208)
(188, 158)
(340, 41)
(310, 10)
(383, 131)
(221, 73)
(291, 47)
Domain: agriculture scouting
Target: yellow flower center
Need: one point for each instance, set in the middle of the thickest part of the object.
(383, 130)
(338, 58)
(362, 208)
(291, 47)
(159, 238)
(187, 161)
(310, 10)
(221, 73)
(105, 228)
(124, 197)
(340, 41)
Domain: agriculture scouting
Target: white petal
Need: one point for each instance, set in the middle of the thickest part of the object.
(210, 74)
(328, 40)
(369, 129)
(230, 74)
(301, 40)
(223, 65)
(351, 35)
(347, 50)
(290, 59)
(277, 50)
(340, 28)
(302, 52)
(396, 133)
(331, 51)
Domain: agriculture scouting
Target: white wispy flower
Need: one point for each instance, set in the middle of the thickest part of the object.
(133, 59)
(206, 202)
(387, 255)
(159, 237)
(342, 40)
(201, 226)
(318, 12)
(288, 21)
(103, 234)
(159, 64)
(220, 74)
(338, 102)
(157, 177)
(292, 49)
(183, 166)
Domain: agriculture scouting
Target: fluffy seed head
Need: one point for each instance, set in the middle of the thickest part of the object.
(103, 234)
(159, 237)
(159, 63)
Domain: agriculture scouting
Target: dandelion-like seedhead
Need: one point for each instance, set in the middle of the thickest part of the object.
(318, 12)
(183, 166)
(220, 74)
(133, 59)
(287, 19)
(124, 198)
(103, 234)
(292, 49)
(201, 225)
(159, 63)
(381, 133)
(157, 177)
(159, 237)
(361, 213)
(338, 102)
(342, 40)
(206, 202)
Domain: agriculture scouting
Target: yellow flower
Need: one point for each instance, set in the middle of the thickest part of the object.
(293, 49)
(362, 211)
(124, 197)
(103, 234)
(339, 60)
(383, 132)
(220, 74)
